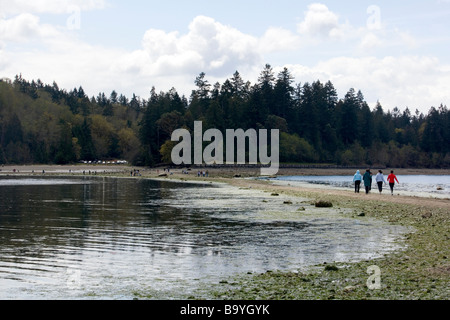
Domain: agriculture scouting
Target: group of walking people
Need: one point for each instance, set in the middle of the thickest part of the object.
(367, 178)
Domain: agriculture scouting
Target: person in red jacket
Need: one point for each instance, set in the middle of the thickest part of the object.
(391, 179)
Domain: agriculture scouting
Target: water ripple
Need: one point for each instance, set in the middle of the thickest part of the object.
(110, 237)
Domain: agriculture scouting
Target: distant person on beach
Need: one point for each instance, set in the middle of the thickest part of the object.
(357, 180)
(367, 180)
(380, 180)
(391, 179)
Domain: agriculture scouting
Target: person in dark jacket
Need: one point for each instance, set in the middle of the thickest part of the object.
(367, 180)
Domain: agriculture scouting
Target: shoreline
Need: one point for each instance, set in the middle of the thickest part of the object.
(215, 171)
(419, 271)
(240, 177)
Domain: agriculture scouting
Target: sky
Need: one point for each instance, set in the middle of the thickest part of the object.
(396, 52)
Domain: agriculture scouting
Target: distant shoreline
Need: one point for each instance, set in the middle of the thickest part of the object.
(231, 175)
(214, 171)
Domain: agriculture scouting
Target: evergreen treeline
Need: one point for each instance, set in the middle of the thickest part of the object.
(44, 124)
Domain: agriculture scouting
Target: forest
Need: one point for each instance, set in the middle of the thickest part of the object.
(43, 124)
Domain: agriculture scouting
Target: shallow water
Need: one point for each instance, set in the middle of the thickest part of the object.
(105, 238)
(437, 186)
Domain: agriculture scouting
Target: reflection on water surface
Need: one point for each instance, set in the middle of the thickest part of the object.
(105, 238)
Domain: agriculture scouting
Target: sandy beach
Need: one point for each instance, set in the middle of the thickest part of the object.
(420, 271)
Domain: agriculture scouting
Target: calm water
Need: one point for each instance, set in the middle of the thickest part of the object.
(85, 238)
(420, 185)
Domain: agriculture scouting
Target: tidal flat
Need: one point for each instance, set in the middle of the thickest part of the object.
(420, 270)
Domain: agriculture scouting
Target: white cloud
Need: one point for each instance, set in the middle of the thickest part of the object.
(25, 27)
(158, 42)
(321, 26)
(279, 39)
(173, 59)
(14, 7)
(370, 41)
(385, 40)
(320, 21)
(406, 81)
(407, 39)
(209, 46)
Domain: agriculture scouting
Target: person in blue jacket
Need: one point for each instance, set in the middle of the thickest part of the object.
(357, 180)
